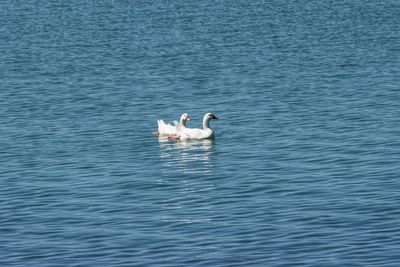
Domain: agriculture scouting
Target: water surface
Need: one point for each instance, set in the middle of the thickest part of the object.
(304, 170)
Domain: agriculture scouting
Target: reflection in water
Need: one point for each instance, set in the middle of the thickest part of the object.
(181, 162)
(195, 156)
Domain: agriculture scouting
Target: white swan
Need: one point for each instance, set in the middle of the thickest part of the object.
(168, 129)
(193, 133)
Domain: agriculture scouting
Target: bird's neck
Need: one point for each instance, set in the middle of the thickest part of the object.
(206, 123)
(182, 122)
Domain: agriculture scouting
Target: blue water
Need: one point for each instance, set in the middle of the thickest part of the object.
(305, 167)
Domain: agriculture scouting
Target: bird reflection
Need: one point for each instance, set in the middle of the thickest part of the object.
(180, 162)
(195, 156)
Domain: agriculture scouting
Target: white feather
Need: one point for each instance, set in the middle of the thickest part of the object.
(195, 133)
(168, 129)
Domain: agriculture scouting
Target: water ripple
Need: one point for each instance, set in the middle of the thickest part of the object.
(303, 170)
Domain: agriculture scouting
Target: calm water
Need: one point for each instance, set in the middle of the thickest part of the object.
(305, 167)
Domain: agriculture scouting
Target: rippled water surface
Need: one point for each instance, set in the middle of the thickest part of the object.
(304, 170)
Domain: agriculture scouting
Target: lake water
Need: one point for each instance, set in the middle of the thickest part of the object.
(305, 167)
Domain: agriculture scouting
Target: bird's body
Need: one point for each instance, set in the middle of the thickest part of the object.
(184, 133)
(168, 129)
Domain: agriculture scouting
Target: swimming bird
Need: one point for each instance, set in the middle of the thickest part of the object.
(194, 133)
(168, 129)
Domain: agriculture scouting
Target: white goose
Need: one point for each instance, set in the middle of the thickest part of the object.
(193, 133)
(168, 129)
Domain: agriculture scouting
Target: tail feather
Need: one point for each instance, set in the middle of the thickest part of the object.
(161, 123)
